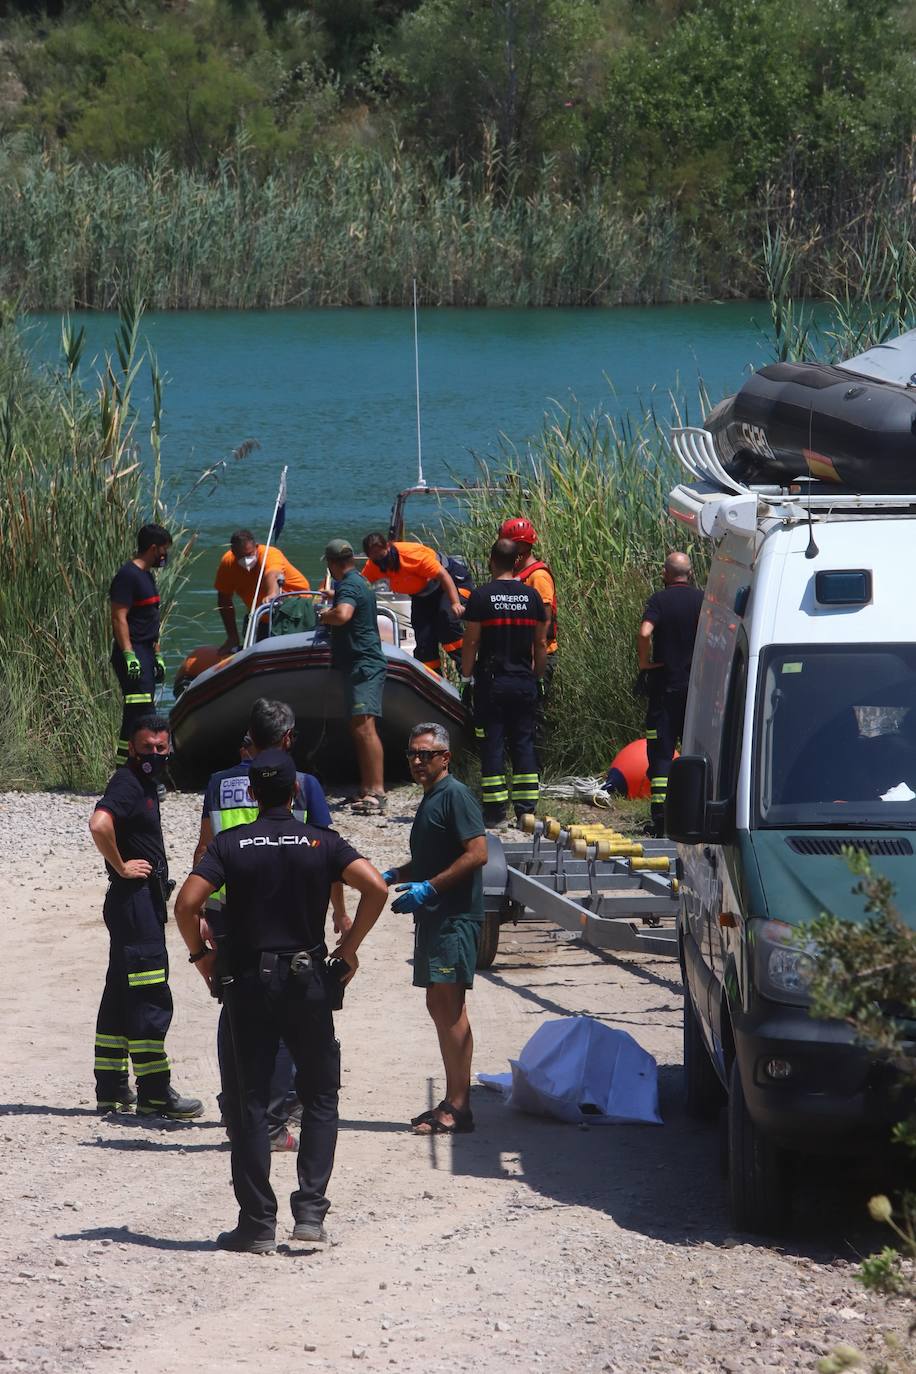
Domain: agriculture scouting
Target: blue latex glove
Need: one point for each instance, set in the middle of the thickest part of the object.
(414, 895)
(389, 876)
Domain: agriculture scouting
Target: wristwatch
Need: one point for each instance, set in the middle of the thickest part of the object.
(195, 958)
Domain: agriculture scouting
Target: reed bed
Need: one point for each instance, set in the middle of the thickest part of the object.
(73, 493)
(351, 230)
(355, 228)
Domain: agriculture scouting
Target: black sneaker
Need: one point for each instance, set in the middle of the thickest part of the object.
(240, 1244)
(312, 1232)
(173, 1106)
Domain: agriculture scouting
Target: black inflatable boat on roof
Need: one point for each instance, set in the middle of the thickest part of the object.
(853, 424)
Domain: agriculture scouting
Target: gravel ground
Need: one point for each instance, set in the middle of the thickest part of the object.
(527, 1245)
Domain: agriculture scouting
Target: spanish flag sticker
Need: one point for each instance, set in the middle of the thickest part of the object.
(820, 468)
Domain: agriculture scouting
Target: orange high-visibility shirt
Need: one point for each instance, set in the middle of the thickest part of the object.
(234, 580)
(419, 565)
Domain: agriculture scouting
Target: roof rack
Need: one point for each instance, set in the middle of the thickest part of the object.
(717, 502)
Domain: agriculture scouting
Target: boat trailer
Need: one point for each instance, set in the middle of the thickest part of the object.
(615, 893)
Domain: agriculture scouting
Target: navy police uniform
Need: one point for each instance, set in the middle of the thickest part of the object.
(136, 1007)
(277, 873)
(674, 613)
(136, 589)
(506, 693)
(228, 801)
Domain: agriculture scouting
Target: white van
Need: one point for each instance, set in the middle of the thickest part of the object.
(800, 740)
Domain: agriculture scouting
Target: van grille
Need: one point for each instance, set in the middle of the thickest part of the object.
(810, 844)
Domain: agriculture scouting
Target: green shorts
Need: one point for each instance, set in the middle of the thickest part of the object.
(363, 691)
(445, 950)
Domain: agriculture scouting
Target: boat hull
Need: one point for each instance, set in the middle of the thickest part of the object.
(210, 718)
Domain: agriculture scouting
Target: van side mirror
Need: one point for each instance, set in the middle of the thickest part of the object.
(690, 817)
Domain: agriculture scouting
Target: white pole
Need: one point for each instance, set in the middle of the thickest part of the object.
(421, 480)
(249, 629)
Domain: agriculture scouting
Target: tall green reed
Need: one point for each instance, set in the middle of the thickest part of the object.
(73, 492)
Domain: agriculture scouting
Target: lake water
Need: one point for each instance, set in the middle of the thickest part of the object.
(331, 394)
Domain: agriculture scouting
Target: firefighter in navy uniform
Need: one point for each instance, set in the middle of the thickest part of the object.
(277, 873)
(135, 656)
(136, 1007)
(664, 645)
(504, 657)
(539, 574)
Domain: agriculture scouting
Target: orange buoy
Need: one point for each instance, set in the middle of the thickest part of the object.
(628, 775)
(197, 661)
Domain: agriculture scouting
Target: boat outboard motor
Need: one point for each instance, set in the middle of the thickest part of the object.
(853, 424)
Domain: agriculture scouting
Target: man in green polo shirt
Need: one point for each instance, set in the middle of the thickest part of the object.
(443, 886)
(356, 652)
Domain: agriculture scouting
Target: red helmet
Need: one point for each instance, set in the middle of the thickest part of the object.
(519, 529)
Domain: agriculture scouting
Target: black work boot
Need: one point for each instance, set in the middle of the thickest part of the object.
(242, 1244)
(172, 1106)
(121, 1100)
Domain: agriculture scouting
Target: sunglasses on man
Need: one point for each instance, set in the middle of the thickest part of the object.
(424, 755)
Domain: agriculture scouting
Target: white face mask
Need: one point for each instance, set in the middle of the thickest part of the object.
(249, 561)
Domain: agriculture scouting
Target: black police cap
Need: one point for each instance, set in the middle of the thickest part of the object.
(275, 767)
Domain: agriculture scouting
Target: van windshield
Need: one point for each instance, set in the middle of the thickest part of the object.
(836, 736)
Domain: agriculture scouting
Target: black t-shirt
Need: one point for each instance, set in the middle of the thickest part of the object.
(507, 611)
(134, 805)
(278, 874)
(136, 589)
(674, 613)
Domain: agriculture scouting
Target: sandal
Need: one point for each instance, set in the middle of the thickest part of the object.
(462, 1121)
(372, 804)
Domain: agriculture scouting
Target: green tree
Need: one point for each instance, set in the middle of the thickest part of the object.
(513, 65)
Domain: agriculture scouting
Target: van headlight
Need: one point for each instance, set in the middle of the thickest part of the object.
(783, 966)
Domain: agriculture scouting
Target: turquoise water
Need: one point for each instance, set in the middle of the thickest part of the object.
(331, 393)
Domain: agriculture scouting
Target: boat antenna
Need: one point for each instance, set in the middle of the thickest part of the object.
(421, 480)
(812, 550)
(275, 525)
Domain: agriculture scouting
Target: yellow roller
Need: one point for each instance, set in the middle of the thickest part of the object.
(529, 821)
(552, 829)
(597, 831)
(675, 885)
(651, 865)
(605, 849)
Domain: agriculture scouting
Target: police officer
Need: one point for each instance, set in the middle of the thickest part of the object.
(135, 656)
(504, 656)
(437, 587)
(136, 1007)
(228, 801)
(277, 873)
(664, 645)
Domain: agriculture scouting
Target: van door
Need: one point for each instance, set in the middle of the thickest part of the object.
(726, 922)
(704, 733)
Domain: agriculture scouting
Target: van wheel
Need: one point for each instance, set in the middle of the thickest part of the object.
(701, 1082)
(489, 940)
(758, 1179)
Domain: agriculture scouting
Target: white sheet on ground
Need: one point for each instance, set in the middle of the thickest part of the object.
(578, 1069)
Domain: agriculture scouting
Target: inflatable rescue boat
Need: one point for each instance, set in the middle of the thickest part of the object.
(852, 424)
(210, 716)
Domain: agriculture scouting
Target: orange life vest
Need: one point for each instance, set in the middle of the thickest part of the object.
(523, 576)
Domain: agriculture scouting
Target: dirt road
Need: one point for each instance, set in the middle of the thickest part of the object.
(527, 1245)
